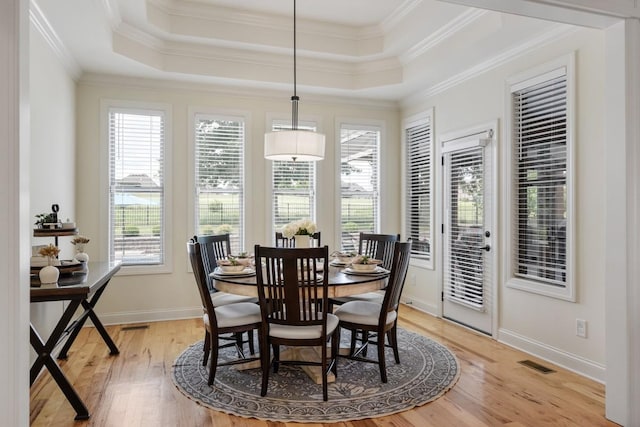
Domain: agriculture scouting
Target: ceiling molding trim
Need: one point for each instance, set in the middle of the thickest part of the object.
(443, 33)
(113, 13)
(95, 79)
(560, 31)
(42, 25)
(395, 18)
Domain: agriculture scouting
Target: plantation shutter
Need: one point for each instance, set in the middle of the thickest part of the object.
(418, 183)
(540, 142)
(136, 182)
(219, 177)
(293, 185)
(359, 183)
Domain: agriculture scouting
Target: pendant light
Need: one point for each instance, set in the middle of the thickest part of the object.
(294, 144)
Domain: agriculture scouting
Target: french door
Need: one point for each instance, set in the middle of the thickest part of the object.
(467, 293)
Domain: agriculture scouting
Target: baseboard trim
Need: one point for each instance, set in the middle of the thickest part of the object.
(126, 317)
(419, 305)
(572, 362)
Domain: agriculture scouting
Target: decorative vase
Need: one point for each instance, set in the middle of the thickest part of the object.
(49, 273)
(302, 240)
(81, 255)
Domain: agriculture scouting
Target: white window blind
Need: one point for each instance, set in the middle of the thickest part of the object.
(359, 183)
(137, 190)
(219, 177)
(540, 138)
(418, 140)
(293, 185)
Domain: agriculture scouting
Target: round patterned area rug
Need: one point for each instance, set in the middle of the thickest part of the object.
(426, 371)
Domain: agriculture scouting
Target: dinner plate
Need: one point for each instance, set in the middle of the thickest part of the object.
(338, 264)
(377, 271)
(246, 272)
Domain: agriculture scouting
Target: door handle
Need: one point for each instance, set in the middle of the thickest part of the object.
(485, 247)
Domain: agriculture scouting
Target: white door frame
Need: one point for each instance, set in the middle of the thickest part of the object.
(487, 130)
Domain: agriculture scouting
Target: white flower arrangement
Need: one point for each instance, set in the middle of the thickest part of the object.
(302, 227)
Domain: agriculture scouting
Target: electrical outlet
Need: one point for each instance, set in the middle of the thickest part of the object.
(581, 328)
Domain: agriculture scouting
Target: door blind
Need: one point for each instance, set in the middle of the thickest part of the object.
(219, 177)
(136, 182)
(540, 218)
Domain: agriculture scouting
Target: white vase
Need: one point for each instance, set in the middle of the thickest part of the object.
(81, 255)
(302, 241)
(49, 274)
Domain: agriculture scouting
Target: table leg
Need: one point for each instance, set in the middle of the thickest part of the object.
(88, 306)
(44, 359)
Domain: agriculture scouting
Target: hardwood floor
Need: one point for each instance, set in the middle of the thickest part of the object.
(135, 387)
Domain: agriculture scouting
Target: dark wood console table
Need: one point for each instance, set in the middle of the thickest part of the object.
(81, 288)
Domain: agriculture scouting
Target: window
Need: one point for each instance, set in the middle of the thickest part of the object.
(359, 183)
(219, 176)
(418, 140)
(541, 190)
(293, 185)
(137, 176)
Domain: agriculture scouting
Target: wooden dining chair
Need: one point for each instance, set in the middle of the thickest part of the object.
(234, 319)
(376, 246)
(292, 289)
(214, 248)
(283, 242)
(378, 318)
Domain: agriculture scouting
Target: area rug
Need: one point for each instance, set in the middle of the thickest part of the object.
(426, 371)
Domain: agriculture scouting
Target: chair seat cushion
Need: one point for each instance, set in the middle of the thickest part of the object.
(223, 298)
(363, 313)
(376, 296)
(303, 332)
(230, 315)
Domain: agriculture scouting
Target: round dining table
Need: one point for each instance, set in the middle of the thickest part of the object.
(341, 282)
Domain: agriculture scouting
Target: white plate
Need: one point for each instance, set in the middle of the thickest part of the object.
(246, 272)
(338, 264)
(378, 270)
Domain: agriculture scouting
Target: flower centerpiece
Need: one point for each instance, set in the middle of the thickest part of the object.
(301, 230)
(49, 273)
(79, 242)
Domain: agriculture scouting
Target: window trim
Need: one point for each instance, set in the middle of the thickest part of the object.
(105, 105)
(519, 81)
(424, 117)
(375, 125)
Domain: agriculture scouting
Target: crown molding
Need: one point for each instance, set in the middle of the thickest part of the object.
(241, 92)
(556, 33)
(398, 15)
(443, 33)
(42, 25)
(112, 12)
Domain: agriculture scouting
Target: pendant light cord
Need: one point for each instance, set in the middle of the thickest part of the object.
(294, 98)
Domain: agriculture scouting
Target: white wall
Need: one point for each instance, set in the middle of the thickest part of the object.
(163, 296)
(538, 324)
(52, 161)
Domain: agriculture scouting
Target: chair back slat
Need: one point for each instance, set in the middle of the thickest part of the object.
(378, 246)
(291, 285)
(399, 268)
(201, 277)
(213, 249)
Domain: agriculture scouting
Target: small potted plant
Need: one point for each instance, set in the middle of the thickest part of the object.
(79, 242)
(301, 230)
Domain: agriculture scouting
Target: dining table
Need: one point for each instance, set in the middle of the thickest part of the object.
(343, 281)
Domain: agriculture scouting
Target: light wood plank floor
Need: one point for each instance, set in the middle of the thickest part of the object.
(135, 388)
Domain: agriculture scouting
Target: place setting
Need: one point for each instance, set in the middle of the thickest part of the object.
(241, 265)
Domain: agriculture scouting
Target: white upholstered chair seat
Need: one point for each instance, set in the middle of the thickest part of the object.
(363, 312)
(303, 332)
(223, 298)
(230, 315)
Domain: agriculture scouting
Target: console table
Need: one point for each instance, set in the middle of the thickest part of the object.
(80, 288)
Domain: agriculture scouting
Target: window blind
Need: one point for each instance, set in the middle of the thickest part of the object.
(293, 185)
(219, 177)
(359, 183)
(540, 217)
(418, 184)
(136, 182)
